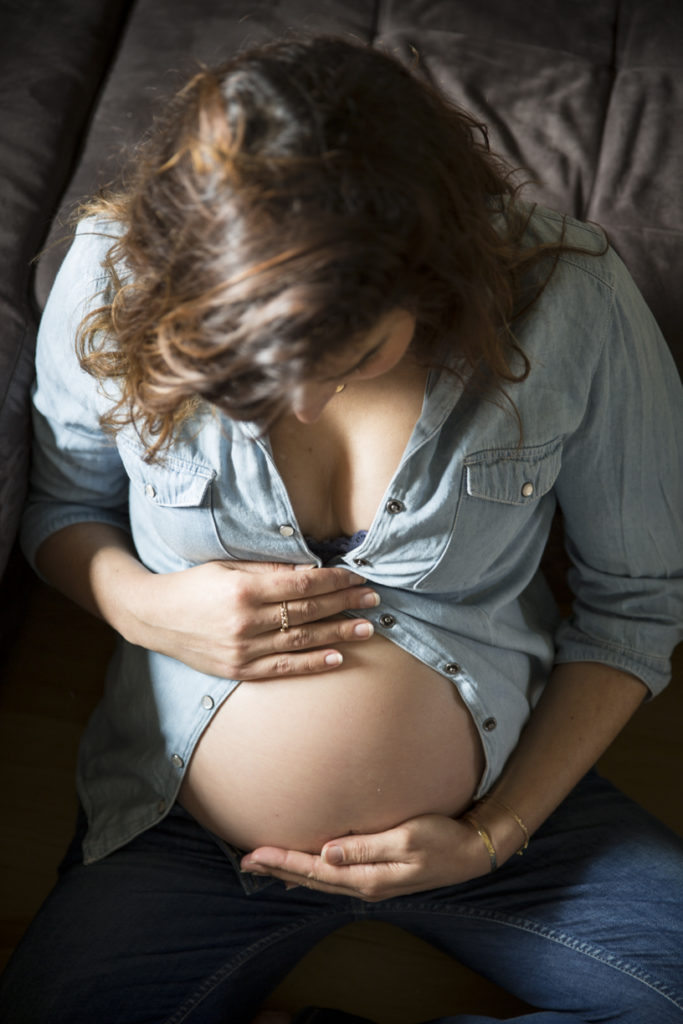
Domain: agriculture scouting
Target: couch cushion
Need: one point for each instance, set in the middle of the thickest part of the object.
(537, 73)
(638, 191)
(588, 97)
(52, 61)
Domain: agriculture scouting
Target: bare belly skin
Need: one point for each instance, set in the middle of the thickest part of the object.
(295, 762)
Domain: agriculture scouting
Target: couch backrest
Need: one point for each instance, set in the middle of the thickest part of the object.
(588, 97)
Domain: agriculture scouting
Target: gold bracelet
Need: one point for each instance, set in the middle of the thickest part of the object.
(485, 837)
(501, 803)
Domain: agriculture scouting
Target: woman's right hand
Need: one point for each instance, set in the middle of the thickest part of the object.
(224, 618)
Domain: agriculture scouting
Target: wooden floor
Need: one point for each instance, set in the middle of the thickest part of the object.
(51, 681)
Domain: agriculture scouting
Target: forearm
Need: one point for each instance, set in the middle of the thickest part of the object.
(95, 565)
(583, 708)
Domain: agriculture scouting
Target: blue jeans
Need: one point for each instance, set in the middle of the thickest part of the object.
(586, 926)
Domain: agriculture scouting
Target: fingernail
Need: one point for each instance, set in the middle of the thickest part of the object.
(363, 629)
(369, 600)
(333, 658)
(304, 568)
(334, 855)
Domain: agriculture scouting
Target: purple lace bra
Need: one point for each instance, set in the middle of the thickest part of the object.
(326, 550)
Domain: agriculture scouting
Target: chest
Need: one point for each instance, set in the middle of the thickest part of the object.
(337, 470)
(462, 516)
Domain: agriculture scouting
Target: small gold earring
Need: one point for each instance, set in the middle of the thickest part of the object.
(339, 387)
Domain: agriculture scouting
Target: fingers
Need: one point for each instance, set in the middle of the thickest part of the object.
(371, 882)
(264, 568)
(394, 845)
(390, 847)
(274, 652)
(311, 596)
(314, 609)
(319, 634)
(288, 664)
(314, 618)
(303, 585)
(295, 868)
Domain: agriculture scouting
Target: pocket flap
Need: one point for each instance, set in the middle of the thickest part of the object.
(171, 482)
(516, 476)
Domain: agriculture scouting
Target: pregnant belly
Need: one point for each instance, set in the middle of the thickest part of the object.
(295, 762)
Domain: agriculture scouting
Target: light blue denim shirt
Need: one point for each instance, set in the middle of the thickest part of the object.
(454, 547)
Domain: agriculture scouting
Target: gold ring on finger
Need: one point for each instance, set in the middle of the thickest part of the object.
(284, 617)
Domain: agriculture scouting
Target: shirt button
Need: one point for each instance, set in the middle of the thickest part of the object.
(150, 491)
(286, 530)
(490, 724)
(527, 489)
(207, 702)
(387, 621)
(394, 506)
(452, 668)
(360, 561)
(177, 761)
(161, 806)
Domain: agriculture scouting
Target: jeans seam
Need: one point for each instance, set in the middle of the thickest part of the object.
(577, 945)
(208, 985)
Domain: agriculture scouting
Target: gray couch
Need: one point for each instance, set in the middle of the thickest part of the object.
(587, 95)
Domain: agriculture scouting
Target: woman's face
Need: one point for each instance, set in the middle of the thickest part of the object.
(378, 352)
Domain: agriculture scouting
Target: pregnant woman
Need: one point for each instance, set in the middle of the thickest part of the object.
(310, 387)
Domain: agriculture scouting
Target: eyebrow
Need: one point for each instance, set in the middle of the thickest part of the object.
(363, 359)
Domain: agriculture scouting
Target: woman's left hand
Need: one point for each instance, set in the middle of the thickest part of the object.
(426, 852)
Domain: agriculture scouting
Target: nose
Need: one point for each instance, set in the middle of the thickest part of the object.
(310, 402)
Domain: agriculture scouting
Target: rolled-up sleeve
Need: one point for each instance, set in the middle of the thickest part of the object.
(621, 492)
(77, 475)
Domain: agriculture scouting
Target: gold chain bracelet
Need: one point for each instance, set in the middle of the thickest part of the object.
(501, 803)
(485, 837)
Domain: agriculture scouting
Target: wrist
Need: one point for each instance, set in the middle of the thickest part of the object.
(506, 830)
(470, 819)
(500, 830)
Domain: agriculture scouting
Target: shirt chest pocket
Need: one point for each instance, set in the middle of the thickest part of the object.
(518, 477)
(501, 515)
(171, 510)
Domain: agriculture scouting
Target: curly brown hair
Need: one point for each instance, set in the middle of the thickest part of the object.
(284, 203)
